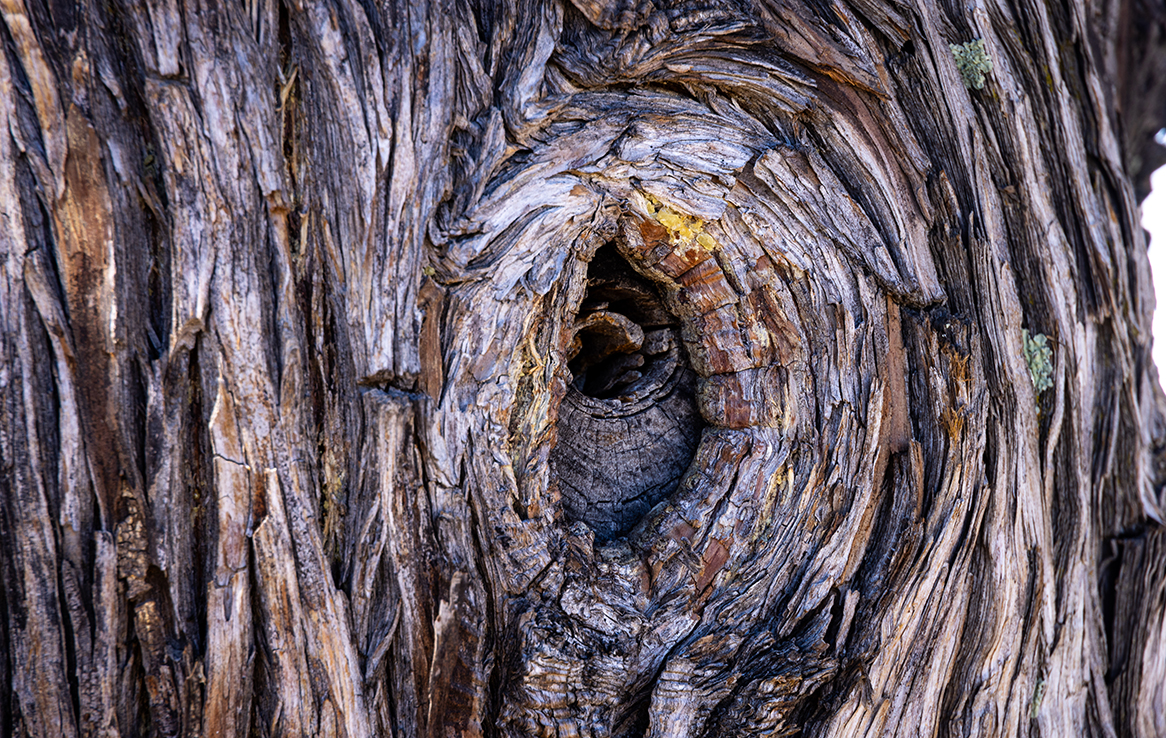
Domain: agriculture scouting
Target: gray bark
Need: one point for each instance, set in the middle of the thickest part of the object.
(322, 416)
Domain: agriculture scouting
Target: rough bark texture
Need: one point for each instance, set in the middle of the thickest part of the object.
(321, 416)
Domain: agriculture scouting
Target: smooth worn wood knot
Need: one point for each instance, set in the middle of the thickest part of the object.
(628, 425)
(612, 357)
(625, 344)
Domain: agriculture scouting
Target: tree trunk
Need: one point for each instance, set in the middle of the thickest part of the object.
(596, 369)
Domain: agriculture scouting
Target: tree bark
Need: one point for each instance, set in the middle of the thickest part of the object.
(591, 368)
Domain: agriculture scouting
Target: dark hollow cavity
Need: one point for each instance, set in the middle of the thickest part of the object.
(628, 425)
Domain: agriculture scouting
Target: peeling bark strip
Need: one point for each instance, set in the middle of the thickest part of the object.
(590, 368)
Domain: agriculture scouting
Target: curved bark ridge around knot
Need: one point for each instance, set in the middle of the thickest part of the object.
(628, 424)
(749, 587)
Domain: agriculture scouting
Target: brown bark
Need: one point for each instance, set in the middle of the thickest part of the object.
(322, 416)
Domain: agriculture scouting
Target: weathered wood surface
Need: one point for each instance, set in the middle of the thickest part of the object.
(293, 300)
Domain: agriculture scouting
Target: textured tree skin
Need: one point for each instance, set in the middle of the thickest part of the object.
(289, 291)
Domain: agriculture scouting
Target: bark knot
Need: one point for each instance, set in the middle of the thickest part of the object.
(628, 425)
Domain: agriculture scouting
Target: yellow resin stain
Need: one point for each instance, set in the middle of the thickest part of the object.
(683, 230)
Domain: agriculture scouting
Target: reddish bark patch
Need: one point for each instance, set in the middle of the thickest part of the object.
(714, 558)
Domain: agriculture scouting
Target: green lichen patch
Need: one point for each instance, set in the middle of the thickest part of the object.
(973, 62)
(1038, 354)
